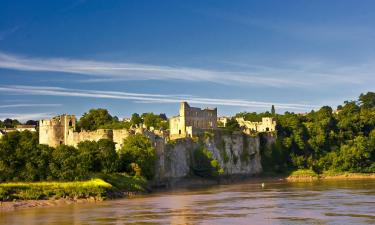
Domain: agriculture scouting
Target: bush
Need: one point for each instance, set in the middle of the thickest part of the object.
(204, 165)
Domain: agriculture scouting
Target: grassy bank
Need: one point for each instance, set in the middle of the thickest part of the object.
(103, 186)
(306, 174)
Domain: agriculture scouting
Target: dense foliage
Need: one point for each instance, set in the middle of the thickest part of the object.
(138, 156)
(150, 120)
(204, 165)
(343, 140)
(100, 118)
(23, 159)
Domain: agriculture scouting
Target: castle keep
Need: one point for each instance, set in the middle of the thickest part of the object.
(191, 121)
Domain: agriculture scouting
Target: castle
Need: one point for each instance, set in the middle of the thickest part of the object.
(191, 121)
(268, 124)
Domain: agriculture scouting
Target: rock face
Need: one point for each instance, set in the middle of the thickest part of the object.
(237, 154)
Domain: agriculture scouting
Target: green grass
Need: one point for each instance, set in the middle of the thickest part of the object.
(53, 190)
(101, 187)
(333, 173)
(303, 173)
(124, 182)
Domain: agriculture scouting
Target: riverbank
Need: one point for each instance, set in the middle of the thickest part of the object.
(310, 175)
(15, 195)
(119, 186)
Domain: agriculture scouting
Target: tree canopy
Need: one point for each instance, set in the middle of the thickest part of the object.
(326, 140)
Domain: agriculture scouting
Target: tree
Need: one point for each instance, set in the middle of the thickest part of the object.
(95, 118)
(367, 100)
(22, 158)
(32, 122)
(100, 156)
(137, 151)
(155, 121)
(273, 111)
(109, 159)
(136, 119)
(232, 125)
(66, 165)
(9, 123)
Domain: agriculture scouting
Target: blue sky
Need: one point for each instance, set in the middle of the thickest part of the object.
(145, 56)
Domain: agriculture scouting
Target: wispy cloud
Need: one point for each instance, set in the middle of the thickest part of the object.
(25, 116)
(5, 33)
(28, 105)
(291, 75)
(305, 30)
(148, 98)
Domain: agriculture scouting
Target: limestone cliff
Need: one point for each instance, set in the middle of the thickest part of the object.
(237, 154)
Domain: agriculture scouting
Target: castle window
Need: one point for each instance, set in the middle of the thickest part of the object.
(70, 123)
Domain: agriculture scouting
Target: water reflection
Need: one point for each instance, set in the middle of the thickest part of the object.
(328, 202)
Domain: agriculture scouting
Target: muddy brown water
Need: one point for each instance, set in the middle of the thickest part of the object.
(278, 202)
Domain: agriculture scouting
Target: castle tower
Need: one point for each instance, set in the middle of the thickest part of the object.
(54, 132)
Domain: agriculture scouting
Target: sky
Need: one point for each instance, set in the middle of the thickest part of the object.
(69, 56)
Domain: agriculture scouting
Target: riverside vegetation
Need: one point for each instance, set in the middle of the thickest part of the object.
(320, 142)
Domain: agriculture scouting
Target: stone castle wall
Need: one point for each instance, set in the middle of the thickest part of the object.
(61, 130)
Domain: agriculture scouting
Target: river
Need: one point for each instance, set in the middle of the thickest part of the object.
(278, 202)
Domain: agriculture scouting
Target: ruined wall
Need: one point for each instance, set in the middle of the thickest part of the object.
(237, 153)
(192, 117)
(268, 124)
(76, 137)
(119, 136)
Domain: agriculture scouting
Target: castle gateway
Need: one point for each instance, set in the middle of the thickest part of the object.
(191, 121)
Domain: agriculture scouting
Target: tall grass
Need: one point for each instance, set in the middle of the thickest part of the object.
(52, 190)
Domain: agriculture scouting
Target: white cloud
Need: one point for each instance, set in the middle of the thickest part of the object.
(25, 116)
(148, 98)
(23, 105)
(293, 75)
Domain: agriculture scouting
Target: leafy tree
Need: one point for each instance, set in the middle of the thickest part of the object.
(137, 151)
(22, 158)
(99, 156)
(204, 165)
(136, 119)
(273, 111)
(156, 121)
(66, 164)
(367, 100)
(32, 122)
(10, 123)
(95, 118)
(354, 156)
(232, 125)
(109, 159)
